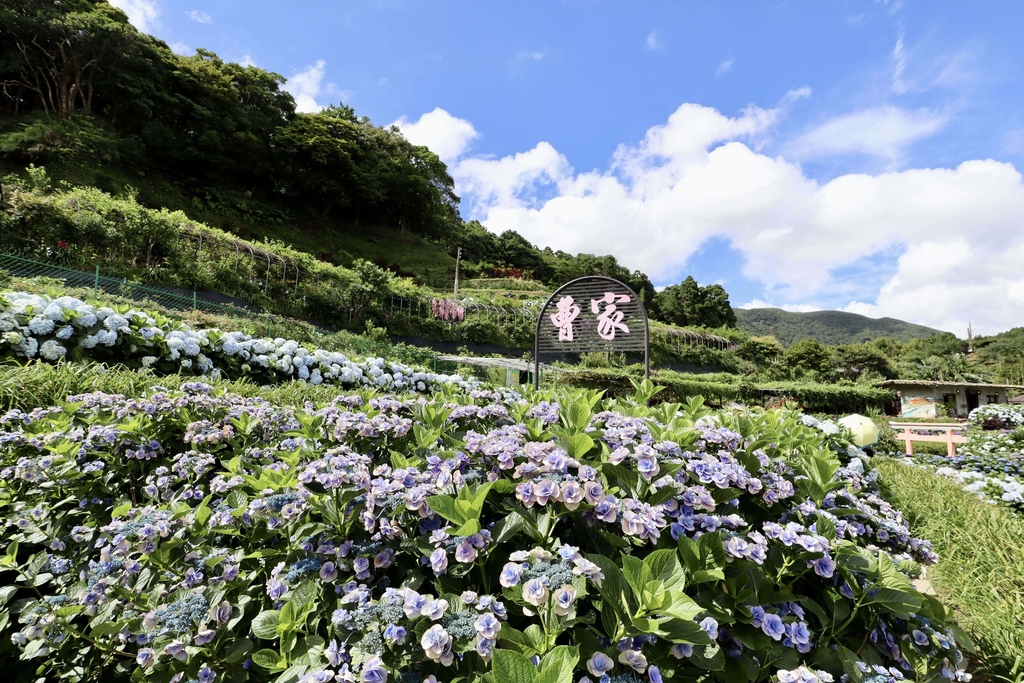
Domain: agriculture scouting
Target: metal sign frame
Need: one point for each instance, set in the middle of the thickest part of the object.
(591, 312)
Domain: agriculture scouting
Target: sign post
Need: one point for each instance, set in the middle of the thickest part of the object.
(591, 314)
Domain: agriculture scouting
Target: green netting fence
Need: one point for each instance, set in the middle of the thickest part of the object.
(100, 284)
(263, 323)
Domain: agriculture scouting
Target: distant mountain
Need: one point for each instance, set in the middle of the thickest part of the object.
(828, 327)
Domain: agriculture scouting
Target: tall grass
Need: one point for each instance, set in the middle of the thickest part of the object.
(980, 573)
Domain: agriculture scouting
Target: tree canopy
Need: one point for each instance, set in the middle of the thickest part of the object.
(690, 305)
(74, 69)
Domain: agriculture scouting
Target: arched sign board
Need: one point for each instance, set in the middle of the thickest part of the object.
(591, 314)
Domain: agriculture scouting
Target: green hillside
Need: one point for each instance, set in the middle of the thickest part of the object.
(827, 327)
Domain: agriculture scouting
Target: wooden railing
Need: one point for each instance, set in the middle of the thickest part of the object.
(952, 433)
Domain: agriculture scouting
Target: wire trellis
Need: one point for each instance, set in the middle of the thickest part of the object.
(101, 284)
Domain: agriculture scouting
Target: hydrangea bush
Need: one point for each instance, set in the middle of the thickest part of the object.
(51, 329)
(195, 535)
(990, 465)
(1009, 414)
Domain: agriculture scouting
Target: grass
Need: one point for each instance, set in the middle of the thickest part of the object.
(329, 240)
(36, 384)
(980, 574)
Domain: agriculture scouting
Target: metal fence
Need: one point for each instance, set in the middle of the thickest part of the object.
(101, 284)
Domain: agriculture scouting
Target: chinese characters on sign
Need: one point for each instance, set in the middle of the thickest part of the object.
(608, 321)
(567, 312)
(611, 318)
(591, 315)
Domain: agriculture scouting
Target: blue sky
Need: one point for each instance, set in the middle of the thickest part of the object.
(853, 155)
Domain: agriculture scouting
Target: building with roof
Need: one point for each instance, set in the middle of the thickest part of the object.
(926, 398)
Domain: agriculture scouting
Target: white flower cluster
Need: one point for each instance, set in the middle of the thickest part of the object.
(992, 442)
(34, 326)
(826, 427)
(1011, 415)
(1012, 491)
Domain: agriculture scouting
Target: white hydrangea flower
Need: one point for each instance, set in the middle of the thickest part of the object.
(29, 347)
(40, 325)
(115, 322)
(51, 350)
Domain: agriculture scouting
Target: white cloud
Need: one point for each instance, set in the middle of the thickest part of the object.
(247, 60)
(884, 131)
(308, 85)
(527, 56)
(445, 135)
(199, 17)
(724, 67)
(142, 14)
(899, 65)
(654, 41)
(952, 234)
(181, 48)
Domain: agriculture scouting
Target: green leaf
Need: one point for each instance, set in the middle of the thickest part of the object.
(304, 594)
(825, 527)
(575, 415)
(682, 631)
(708, 657)
(265, 624)
(517, 638)
(558, 665)
(121, 510)
(472, 526)
(577, 445)
(268, 659)
(900, 603)
(680, 605)
(507, 527)
(445, 506)
(238, 650)
(6, 593)
(512, 667)
(203, 512)
(614, 589)
(538, 641)
(637, 574)
(665, 567)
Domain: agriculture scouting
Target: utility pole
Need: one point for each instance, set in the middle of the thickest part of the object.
(458, 257)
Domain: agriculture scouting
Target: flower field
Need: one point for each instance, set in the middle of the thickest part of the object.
(33, 326)
(991, 464)
(420, 527)
(199, 535)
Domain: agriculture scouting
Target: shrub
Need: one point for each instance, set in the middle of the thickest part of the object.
(468, 536)
(54, 329)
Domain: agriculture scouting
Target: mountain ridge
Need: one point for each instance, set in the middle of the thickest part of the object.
(827, 327)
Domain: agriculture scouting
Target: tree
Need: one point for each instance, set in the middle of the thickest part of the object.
(512, 249)
(857, 361)
(806, 356)
(690, 305)
(477, 242)
(761, 351)
(321, 154)
(56, 49)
